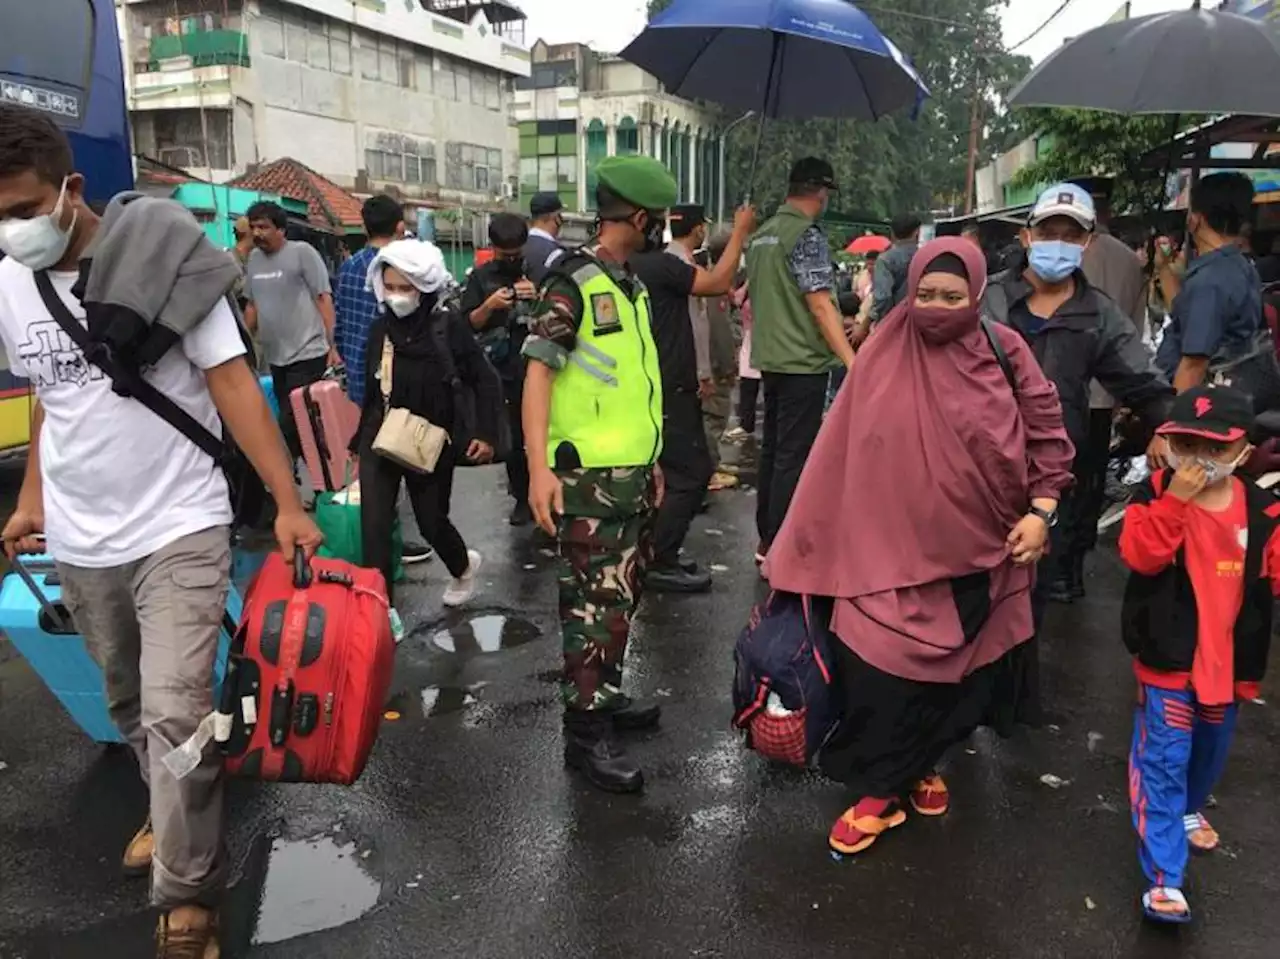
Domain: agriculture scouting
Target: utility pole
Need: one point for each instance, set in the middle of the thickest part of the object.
(975, 122)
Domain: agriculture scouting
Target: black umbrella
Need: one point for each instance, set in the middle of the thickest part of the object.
(1190, 61)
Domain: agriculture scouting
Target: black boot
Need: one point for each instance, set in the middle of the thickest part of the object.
(521, 514)
(1076, 577)
(630, 715)
(591, 747)
(1060, 584)
(676, 579)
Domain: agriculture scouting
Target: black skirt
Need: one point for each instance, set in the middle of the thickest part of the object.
(893, 730)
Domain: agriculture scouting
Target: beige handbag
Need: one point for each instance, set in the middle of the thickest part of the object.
(408, 439)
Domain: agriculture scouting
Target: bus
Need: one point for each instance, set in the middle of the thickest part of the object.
(63, 57)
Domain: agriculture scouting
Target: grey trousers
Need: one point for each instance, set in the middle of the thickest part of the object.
(152, 625)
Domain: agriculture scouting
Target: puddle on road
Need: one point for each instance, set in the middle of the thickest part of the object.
(437, 700)
(312, 885)
(489, 633)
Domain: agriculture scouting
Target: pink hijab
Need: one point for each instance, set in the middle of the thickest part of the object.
(927, 459)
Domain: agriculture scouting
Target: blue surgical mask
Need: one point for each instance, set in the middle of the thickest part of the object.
(1055, 260)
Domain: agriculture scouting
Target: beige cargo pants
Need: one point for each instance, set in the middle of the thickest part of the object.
(152, 625)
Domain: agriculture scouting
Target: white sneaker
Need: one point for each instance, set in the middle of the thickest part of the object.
(464, 587)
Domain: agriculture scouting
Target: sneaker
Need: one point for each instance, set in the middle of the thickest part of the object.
(188, 932)
(397, 626)
(136, 863)
(722, 481)
(416, 553)
(736, 435)
(464, 587)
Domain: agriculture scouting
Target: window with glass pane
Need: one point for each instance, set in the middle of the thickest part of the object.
(393, 165)
(477, 86)
(446, 78)
(492, 92)
(388, 65)
(495, 159)
(429, 171)
(406, 70)
(482, 179)
(297, 42)
(529, 174)
(318, 46)
(463, 74)
(412, 170)
(548, 173)
(567, 169)
(270, 32)
(340, 47)
(368, 56)
(373, 164)
(424, 71)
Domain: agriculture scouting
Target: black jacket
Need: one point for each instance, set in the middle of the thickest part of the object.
(1088, 338)
(1159, 622)
(422, 383)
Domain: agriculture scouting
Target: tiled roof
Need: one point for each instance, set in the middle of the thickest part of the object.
(328, 205)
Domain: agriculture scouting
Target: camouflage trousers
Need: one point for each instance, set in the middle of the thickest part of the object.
(604, 545)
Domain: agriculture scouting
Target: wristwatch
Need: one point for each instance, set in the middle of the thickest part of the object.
(1050, 518)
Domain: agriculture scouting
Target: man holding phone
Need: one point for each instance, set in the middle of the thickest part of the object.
(497, 301)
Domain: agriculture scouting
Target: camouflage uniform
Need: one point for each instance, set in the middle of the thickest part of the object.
(604, 533)
(604, 540)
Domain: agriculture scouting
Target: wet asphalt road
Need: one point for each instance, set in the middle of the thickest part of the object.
(466, 839)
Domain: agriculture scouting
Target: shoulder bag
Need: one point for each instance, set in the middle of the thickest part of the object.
(406, 438)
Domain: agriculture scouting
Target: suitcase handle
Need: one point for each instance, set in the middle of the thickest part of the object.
(61, 624)
(301, 570)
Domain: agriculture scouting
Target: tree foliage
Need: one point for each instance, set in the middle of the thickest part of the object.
(1093, 143)
(900, 163)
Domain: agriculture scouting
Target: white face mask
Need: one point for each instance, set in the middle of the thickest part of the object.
(40, 242)
(403, 304)
(1214, 471)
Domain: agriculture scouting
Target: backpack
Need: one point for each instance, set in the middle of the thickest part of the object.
(467, 399)
(782, 657)
(250, 502)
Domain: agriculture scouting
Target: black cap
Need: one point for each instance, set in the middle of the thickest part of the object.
(545, 204)
(1098, 187)
(687, 214)
(812, 171)
(1212, 412)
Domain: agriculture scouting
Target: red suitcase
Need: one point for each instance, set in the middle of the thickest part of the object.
(326, 422)
(308, 674)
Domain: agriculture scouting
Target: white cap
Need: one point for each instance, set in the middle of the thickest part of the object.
(1065, 199)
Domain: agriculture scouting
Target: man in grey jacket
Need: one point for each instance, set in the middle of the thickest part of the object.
(889, 282)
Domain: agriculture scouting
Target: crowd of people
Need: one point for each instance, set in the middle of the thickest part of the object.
(973, 413)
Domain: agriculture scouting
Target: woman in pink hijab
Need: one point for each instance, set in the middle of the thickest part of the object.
(945, 477)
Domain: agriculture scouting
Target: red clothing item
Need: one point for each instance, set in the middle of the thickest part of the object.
(1213, 545)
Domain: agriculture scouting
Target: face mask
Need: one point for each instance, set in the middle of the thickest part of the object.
(509, 269)
(938, 325)
(1055, 260)
(40, 242)
(653, 232)
(1214, 471)
(403, 304)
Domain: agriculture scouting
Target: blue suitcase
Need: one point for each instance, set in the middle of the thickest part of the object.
(40, 629)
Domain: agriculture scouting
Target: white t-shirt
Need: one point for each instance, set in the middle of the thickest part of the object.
(119, 482)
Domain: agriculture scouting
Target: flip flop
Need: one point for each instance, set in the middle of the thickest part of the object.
(1200, 835)
(853, 832)
(930, 797)
(1168, 895)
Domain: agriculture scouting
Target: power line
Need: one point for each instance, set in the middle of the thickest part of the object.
(1040, 29)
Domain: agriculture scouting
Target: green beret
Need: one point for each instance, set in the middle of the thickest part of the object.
(640, 180)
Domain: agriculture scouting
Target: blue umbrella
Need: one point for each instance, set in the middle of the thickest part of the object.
(780, 58)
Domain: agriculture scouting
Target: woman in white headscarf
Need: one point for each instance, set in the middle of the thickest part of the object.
(409, 279)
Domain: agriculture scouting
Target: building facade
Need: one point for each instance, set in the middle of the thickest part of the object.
(578, 107)
(408, 96)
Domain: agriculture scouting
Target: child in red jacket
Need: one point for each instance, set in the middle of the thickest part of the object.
(1205, 561)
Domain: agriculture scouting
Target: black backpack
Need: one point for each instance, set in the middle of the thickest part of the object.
(466, 398)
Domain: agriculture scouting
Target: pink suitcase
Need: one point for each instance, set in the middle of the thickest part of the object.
(326, 422)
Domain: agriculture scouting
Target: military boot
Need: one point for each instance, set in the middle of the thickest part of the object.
(592, 748)
(630, 715)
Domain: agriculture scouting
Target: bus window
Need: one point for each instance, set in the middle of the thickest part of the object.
(46, 56)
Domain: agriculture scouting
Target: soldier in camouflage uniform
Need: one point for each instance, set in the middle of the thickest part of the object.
(593, 431)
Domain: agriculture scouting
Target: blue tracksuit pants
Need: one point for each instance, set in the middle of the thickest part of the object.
(1179, 751)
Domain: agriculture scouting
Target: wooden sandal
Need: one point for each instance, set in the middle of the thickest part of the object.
(855, 831)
